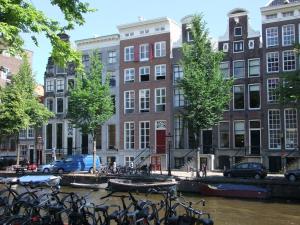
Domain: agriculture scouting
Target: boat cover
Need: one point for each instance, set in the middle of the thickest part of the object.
(40, 180)
(239, 187)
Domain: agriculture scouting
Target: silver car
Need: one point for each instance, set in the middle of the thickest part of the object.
(292, 175)
(47, 168)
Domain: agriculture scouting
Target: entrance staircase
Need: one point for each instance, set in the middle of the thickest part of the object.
(142, 157)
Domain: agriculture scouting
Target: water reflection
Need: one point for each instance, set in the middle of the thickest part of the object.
(229, 211)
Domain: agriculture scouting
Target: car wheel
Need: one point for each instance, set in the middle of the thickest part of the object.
(229, 175)
(60, 171)
(292, 177)
(46, 170)
(257, 176)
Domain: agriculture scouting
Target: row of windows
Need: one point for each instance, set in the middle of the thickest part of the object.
(287, 32)
(58, 85)
(144, 73)
(144, 52)
(239, 68)
(26, 133)
(283, 14)
(144, 100)
(112, 58)
(288, 61)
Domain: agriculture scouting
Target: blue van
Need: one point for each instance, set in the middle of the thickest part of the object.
(76, 163)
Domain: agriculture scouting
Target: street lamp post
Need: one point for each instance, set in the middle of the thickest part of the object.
(39, 149)
(169, 153)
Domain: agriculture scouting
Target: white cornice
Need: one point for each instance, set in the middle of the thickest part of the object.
(278, 7)
(114, 38)
(146, 22)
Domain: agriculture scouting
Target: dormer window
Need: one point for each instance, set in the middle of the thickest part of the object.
(238, 46)
(189, 36)
(287, 14)
(238, 31)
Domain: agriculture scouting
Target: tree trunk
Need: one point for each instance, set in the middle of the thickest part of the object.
(18, 149)
(197, 154)
(94, 154)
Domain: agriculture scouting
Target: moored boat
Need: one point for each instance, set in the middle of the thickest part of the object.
(90, 186)
(141, 186)
(235, 191)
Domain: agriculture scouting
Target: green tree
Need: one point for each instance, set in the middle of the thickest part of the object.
(20, 107)
(17, 16)
(90, 103)
(206, 92)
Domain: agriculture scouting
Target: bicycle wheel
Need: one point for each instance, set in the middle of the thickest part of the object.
(18, 220)
(7, 198)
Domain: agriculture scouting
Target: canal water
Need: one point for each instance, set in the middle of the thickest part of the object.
(226, 211)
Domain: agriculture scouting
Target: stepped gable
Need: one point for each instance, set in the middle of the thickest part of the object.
(281, 2)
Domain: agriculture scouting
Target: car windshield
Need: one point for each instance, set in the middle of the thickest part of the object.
(68, 160)
(242, 166)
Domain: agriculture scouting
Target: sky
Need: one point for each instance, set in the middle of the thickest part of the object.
(111, 13)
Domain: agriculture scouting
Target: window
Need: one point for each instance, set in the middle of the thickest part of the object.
(239, 134)
(272, 36)
(225, 69)
(160, 99)
(271, 16)
(129, 101)
(178, 132)
(60, 85)
(239, 69)
(189, 36)
(59, 105)
(129, 53)
(273, 84)
(112, 79)
(129, 160)
(177, 73)
(70, 84)
(113, 100)
(160, 49)
(112, 136)
(128, 135)
(254, 96)
(289, 61)
(49, 104)
(274, 129)
(49, 85)
(238, 97)
(49, 136)
(178, 98)
(144, 73)
(112, 57)
(129, 75)
(238, 46)
(86, 61)
(144, 135)
(238, 31)
(23, 151)
(291, 128)
(98, 136)
(144, 52)
(160, 72)
(254, 67)
(60, 70)
(288, 34)
(59, 135)
(30, 133)
(144, 100)
(287, 14)
(273, 62)
(22, 134)
(224, 134)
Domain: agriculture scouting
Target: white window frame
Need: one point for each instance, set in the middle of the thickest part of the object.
(129, 136)
(239, 85)
(144, 68)
(128, 160)
(68, 86)
(284, 61)
(275, 38)
(236, 61)
(23, 134)
(162, 98)
(178, 97)
(129, 56)
(237, 121)
(288, 128)
(60, 83)
(189, 37)
(239, 51)
(30, 133)
(160, 71)
(49, 83)
(238, 35)
(130, 100)
(160, 49)
(278, 129)
(144, 92)
(258, 85)
(269, 90)
(112, 56)
(251, 129)
(57, 105)
(219, 134)
(178, 131)
(46, 103)
(128, 76)
(253, 59)
(145, 136)
(290, 36)
(228, 69)
(144, 52)
(267, 63)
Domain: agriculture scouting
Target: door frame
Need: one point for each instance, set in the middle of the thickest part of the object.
(161, 128)
(201, 141)
(254, 129)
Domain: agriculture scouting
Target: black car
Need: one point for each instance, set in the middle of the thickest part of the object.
(292, 175)
(248, 169)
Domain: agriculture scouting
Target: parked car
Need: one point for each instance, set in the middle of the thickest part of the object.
(25, 166)
(292, 175)
(249, 169)
(77, 163)
(47, 168)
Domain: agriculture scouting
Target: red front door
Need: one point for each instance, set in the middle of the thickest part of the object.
(160, 141)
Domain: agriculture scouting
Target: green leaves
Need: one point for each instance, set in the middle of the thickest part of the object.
(21, 16)
(90, 103)
(205, 90)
